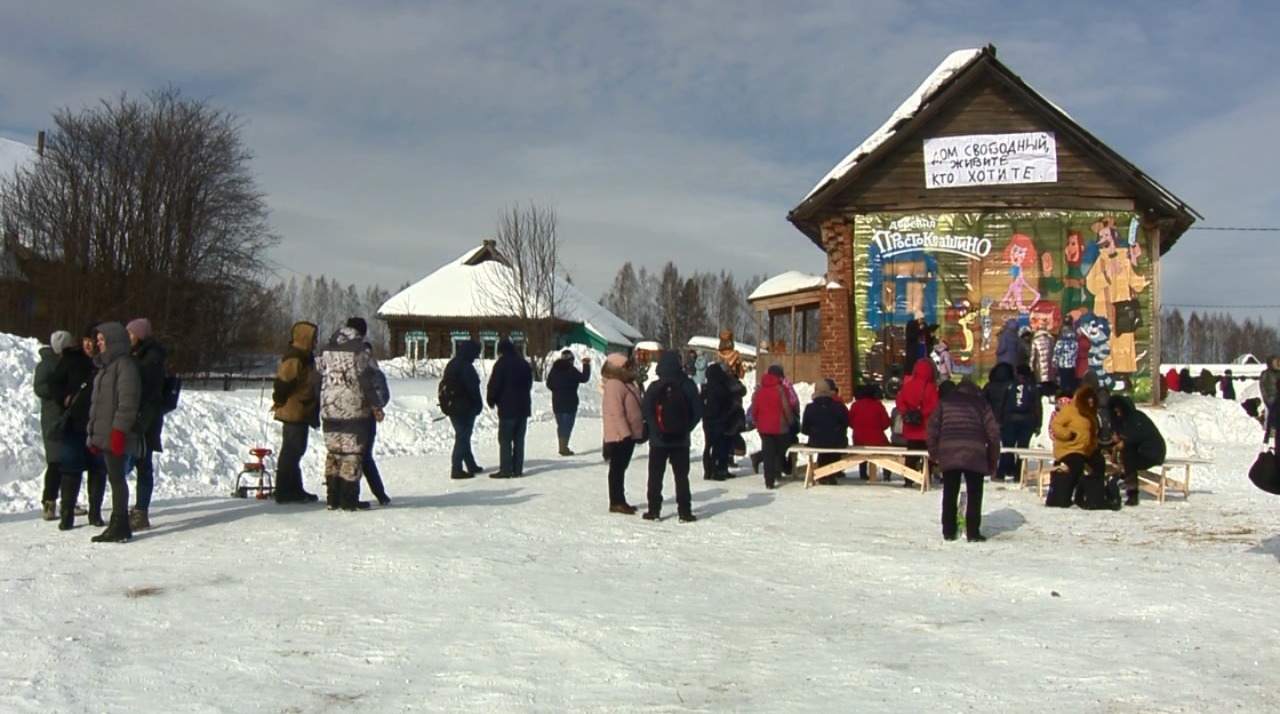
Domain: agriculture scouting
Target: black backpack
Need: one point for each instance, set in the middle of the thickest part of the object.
(1265, 472)
(172, 390)
(1098, 494)
(453, 398)
(1020, 398)
(671, 410)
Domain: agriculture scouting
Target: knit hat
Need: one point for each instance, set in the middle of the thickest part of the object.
(61, 340)
(139, 328)
(567, 354)
(359, 325)
(821, 388)
(616, 360)
(776, 370)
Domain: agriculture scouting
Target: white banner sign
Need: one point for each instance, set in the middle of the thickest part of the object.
(990, 159)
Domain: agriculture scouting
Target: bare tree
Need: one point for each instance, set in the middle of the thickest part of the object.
(531, 292)
(143, 207)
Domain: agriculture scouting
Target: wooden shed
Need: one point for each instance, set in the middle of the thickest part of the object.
(982, 206)
(787, 320)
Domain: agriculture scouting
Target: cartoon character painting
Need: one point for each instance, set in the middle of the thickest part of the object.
(1020, 253)
(966, 319)
(1115, 283)
(1073, 281)
(1097, 330)
(987, 321)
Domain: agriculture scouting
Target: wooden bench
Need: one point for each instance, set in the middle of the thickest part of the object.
(889, 458)
(1158, 481)
(1159, 484)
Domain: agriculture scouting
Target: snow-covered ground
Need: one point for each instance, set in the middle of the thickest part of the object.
(526, 595)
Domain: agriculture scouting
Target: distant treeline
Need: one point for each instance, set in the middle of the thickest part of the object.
(1214, 338)
(671, 308)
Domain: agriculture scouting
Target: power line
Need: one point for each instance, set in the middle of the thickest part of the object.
(1221, 307)
(1229, 228)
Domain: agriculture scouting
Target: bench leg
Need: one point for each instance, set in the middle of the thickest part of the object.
(808, 472)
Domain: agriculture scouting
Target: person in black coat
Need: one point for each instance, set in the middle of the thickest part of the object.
(150, 357)
(718, 410)
(1228, 386)
(1186, 383)
(1139, 443)
(510, 391)
(826, 423)
(72, 382)
(920, 341)
(670, 444)
(462, 368)
(563, 379)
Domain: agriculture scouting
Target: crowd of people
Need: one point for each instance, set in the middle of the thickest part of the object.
(102, 406)
(104, 400)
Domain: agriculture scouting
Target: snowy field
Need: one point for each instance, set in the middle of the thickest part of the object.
(526, 595)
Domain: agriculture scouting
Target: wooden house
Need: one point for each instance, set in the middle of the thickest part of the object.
(982, 206)
(464, 300)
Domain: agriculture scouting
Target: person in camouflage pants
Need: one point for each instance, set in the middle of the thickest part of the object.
(353, 391)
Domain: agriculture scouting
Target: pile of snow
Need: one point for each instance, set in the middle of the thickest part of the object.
(792, 281)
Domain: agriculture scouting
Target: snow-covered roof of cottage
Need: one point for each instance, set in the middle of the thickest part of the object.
(702, 342)
(466, 288)
(14, 154)
(950, 66)
(792, 281)
(917, 110)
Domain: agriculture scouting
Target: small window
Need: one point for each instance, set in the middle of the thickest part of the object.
(455, 338)
(415, 344)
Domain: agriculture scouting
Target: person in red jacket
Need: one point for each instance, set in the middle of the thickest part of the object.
(919, 395)
(1172, 381)
(776, 417)
(869, 420)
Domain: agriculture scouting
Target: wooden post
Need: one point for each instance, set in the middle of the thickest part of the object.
(1157, 322)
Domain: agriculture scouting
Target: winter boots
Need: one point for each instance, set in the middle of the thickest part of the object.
(138, 519)
(1131, 497)
(349, 498)
(564, 447)
(46, 510)
(117, 530)
(69, 491)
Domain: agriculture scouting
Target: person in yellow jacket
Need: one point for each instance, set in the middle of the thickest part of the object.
(295, 402)
(1074, 430)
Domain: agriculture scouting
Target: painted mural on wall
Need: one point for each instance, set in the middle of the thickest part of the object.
(1039, 277)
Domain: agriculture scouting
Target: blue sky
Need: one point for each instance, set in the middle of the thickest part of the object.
(389, 135)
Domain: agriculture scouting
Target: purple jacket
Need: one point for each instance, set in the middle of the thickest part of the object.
(963, 433)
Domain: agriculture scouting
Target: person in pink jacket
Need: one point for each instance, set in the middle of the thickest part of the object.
(623, 426)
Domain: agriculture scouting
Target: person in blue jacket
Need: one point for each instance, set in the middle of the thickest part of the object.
(510, 391)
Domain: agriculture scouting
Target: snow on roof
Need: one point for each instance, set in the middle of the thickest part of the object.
(648, 345)
(792, 281)
(713, 343)
(464, 288)
(952, 65)
(14, 154)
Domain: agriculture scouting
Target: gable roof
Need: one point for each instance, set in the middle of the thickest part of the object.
(464, 288)
(14, 154)
(940, 87)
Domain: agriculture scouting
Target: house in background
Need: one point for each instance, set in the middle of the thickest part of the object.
(980, 204)
(788, 309)
(462, 301)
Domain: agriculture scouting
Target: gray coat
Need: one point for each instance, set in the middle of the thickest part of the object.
(50, 408)
(117, 393)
